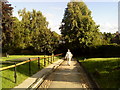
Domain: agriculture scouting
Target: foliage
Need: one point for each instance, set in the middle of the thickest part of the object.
(6, 24)
(116, 38)
(78, 28)
(35, 31)
(55, 40)
(17, 34)
(32, 32)
(108, 37)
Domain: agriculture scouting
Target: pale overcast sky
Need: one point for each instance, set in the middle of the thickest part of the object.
(104, 13)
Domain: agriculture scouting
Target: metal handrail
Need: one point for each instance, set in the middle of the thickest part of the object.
(12, 66)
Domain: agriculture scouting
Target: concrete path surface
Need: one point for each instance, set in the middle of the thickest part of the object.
(66, 76)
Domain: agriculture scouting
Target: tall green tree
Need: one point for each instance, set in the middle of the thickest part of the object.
(6, 24)
(26, 28)
(18, 33)
(36, 31)
(78, 28)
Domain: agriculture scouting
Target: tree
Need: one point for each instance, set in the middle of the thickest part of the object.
(108, 37)
(116, 38)
(35, 30)
(78, 28)
(18, 32)
(6, 25)
(26, 28)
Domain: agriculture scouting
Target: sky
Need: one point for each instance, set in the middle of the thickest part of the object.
(104, 13)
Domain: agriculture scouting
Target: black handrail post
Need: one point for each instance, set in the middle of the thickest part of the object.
(48, 59)
(29, 66)
(38, 63)
(15, 73)
(44, 62)
(51, 58)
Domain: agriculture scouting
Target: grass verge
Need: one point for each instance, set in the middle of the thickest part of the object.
(106, 71)
(7, 76)
(11, 57)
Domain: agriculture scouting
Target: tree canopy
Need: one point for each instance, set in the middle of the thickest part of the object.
(78, 28)
(31, 32)
(6, 24)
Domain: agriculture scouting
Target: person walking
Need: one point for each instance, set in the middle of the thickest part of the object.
(68, 56)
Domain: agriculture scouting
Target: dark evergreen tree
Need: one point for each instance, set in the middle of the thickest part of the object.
(6, 25)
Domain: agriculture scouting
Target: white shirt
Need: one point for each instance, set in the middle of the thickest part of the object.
(68, 55)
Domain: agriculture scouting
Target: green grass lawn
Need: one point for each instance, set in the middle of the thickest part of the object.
(19, 56)
(106, 71)
(7, 76)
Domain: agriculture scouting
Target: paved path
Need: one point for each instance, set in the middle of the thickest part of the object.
(67, 77)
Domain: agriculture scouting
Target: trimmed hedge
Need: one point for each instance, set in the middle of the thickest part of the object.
(105, 51)
(98, 51)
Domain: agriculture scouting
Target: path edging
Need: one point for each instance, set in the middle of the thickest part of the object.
(91, 79)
